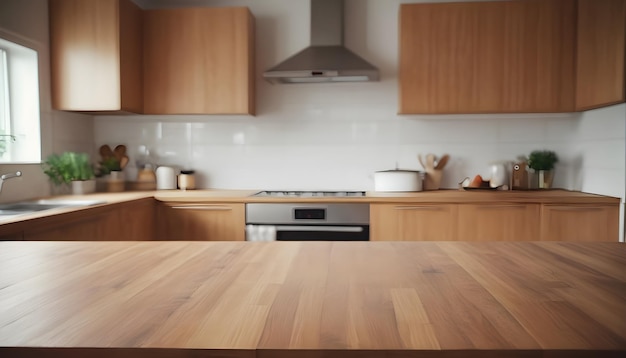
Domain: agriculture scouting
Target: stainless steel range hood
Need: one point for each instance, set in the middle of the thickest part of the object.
(326, 60)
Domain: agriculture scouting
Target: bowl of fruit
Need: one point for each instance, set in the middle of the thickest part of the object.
(476, 183)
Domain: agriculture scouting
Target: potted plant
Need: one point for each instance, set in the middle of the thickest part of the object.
(71, 168)
(110, 172)
(542, 162)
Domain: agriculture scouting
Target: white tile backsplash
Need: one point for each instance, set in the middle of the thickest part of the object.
(337, 154)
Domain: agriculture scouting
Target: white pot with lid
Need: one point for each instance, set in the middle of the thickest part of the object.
(398, 180)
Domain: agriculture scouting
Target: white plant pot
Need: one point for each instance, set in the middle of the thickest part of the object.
(80, 187)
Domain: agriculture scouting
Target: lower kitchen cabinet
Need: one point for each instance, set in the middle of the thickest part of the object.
(498, 222)
(399, 222)
(75, 227)
(462, 222)
(579, 222)
(17, 236)
(201, 222)
(130, 221)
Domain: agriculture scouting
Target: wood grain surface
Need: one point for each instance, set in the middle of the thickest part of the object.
(314, 299)
(198, 61)
(600, 53)
(85, 54)
(486, 57)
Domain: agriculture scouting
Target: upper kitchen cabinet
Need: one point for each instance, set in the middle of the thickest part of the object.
(199, 61)
(487, 57)
(511, 56)
(600, 53)
(96, 55)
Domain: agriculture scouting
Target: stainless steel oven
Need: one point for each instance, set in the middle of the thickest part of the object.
(307, 222)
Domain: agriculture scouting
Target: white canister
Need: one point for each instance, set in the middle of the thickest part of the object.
(165, 178)
(398, 180)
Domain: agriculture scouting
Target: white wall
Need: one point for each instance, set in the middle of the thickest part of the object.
(331, 136)
(60, 131)
(600, 153)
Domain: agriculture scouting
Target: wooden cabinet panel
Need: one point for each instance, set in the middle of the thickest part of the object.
(482, 57)
(130, 221)
(96, 55)
(16, 236)
(498, 222)
(78, 227)
(428, 222)
(600, 46)
(198, 61)
(579, 223)
(200, 222)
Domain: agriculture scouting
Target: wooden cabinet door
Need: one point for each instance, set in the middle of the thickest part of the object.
(199, 61)
(498, 222)
(201, 222)
(16, 236)
(131, 221)
(579, 222)
(96, 55)
(600, 46)
(485, 57)
(413, 222)
(81, 226)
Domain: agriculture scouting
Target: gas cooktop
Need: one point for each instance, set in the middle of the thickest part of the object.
(310, 194)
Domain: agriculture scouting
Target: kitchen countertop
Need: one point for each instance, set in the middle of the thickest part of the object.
(313, 299)
(435, 196)
(556, 196)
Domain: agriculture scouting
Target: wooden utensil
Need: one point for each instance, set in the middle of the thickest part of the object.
(442, 162)
(433, 175)
(123, 162)
(120, 152)
(105, 152)
(419, 157)
(430, 161)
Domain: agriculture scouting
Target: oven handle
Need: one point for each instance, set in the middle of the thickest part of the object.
(319, 228)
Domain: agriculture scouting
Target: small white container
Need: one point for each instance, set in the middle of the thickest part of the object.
(165, 178)
(398, 180)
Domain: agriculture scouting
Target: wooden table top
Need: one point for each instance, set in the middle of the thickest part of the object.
(330, 299)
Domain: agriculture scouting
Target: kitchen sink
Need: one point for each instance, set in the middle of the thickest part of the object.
(25, 207)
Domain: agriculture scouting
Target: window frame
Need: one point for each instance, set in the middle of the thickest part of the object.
(22, 84)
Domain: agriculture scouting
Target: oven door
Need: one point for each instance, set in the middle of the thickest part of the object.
(307, 233)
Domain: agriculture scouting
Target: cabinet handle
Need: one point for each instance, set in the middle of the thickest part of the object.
(301, 228)
(574, 208)
(424, 207)
(496, 206)
(203, 207)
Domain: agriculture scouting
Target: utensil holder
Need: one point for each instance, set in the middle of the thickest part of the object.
(432, 181)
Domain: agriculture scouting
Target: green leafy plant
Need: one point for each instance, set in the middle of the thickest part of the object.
(542, 160)
(107, 165)
(68, 167)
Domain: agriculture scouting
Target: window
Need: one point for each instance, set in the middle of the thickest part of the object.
(5, 111)
(20, 137)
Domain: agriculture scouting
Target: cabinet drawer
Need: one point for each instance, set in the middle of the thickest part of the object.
(580, 222)
(498, 222)
(201, 222)
(412, 222)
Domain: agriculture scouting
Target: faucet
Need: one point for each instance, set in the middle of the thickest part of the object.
(6, 176)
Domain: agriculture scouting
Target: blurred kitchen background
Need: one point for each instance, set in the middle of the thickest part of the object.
(322, 136)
